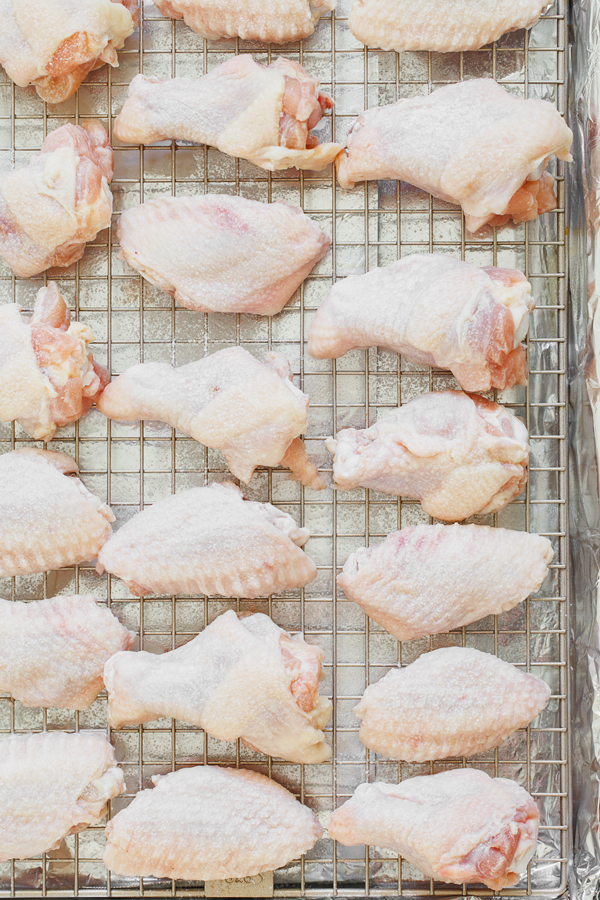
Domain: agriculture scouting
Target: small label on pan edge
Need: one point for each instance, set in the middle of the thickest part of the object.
(257, 886)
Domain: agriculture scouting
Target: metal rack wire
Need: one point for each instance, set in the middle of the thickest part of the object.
(133, 465)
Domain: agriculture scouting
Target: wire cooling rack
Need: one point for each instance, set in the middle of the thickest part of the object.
(134, 465)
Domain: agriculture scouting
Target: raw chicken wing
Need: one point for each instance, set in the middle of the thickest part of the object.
(459, 826)
(249, 410)
(52, 784)
(52, 652)
(48, 518)
(432, 578)
(216, 253)
(261, 113)
(53, 44)
(240, 678)
(51, 207)
(276, 21)
(48, 376)
(437, 311)
(209, 540)
(456, 701)
(459, 454)
(443, 25)
(208, 823)
(470, 143)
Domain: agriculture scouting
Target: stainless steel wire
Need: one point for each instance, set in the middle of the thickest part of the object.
(133, 465)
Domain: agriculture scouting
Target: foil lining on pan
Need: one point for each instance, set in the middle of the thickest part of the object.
(582, 183)
(130, 466)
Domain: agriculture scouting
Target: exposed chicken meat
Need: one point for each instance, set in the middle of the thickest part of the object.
(240, 678)
(51, 207)
(53, 44)
(261, 113)
(470, 143)
(48, 376)
(459, 826)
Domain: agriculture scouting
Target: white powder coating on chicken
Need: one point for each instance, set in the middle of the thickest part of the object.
(209, 540)
(432, 578)
(52, 784)
(459, 454)
(456, 701)
(239, 678)
(209, 822)
(54, 43)
(443, 25)
(48, 377)
(459, 826)
(435, 310)
(470, 143)
(53, 651)
(61, 199)
(248, 409)
(238, 107)
(216, 253)
(48, 518)
(275, 21)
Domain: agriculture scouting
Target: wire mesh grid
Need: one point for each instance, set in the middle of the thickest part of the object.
(130, 466)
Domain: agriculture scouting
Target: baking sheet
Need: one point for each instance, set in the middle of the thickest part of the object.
(134, 465)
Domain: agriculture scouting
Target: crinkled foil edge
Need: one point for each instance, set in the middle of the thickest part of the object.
(583, 217)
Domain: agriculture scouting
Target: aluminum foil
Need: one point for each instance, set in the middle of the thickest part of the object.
(583, 182)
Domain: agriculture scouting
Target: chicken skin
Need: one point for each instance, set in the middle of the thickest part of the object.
(48, 518)
(443, 25)
(470, 143)
(209, 822)
(459, 454)
(456, 701)
(432, 578)
(216, 253)
(275, 21)
(48, 376)
(240, 678)
(51, 207)
(52, 652)
(209, 540)
(459, 826)
(249, 410)
(53, 44)
(436, 310)
(52, 784)
(261, 113)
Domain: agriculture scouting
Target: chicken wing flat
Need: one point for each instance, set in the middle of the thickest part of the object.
(436, 310)
(207, 823)
(432, 578)
(443, 25)
(470, 143)
(52, 784)
(249, 410)
(459, 826)
(456, 701)
(53, 44)
(216, 253)
(52, 652)
(51, 207)
(209, 540)
(274, 21)
(240, 678)
(48, 376)
(459, 454)
(261, 113)
(48, 518)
